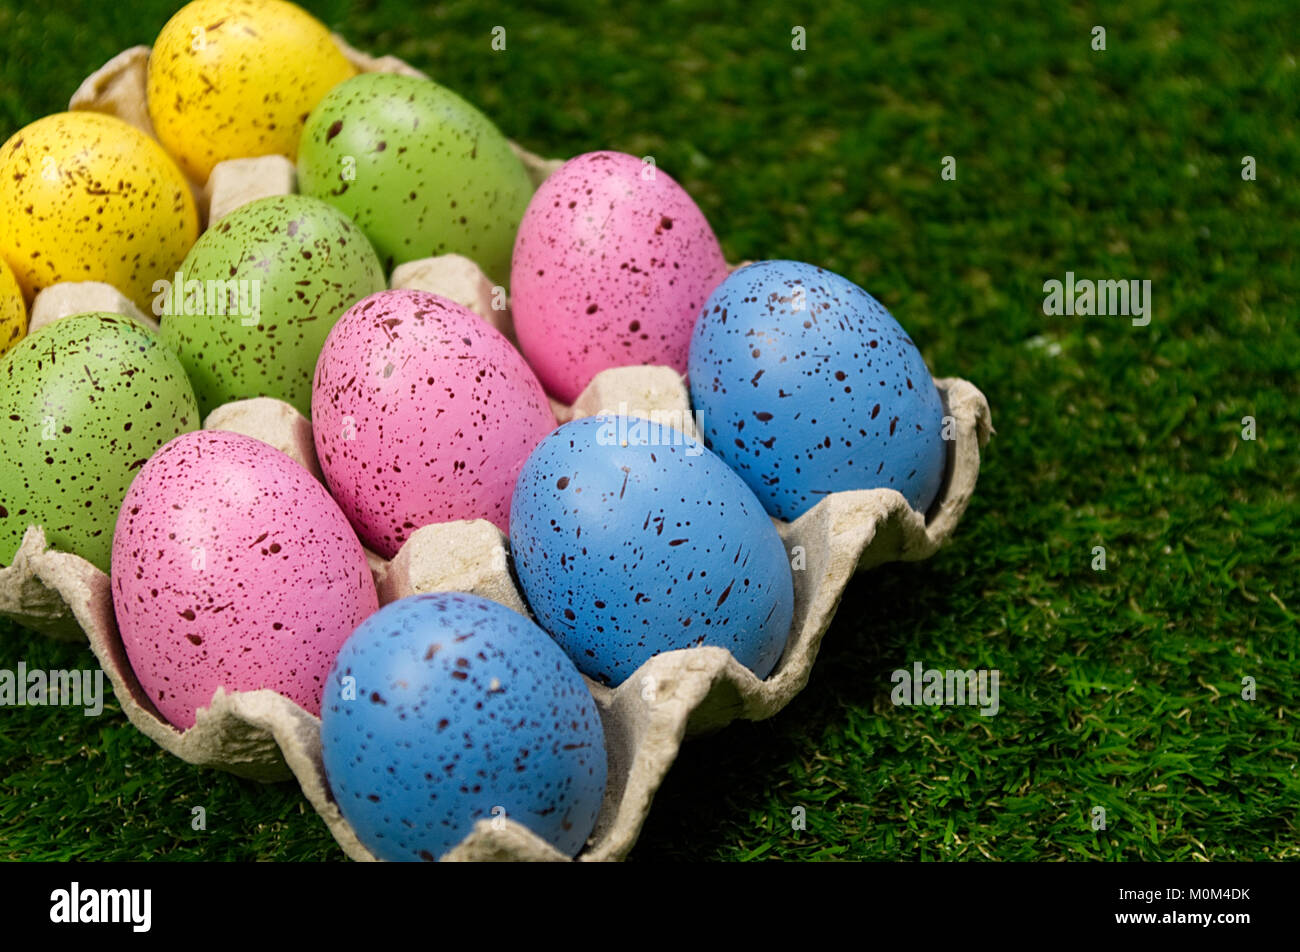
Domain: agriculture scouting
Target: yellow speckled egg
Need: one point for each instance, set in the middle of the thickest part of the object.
(230, 79)
(13, 309)
(88, 197)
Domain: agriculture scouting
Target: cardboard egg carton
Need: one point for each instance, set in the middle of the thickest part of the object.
(264, 736)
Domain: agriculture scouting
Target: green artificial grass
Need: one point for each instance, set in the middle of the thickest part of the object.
(1120, 688)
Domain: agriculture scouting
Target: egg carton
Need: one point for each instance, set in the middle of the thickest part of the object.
(264, 736)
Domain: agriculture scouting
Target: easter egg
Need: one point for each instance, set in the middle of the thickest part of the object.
(445, 709)
(232, 79)
(418, 168)
(84, 402)
(631, 539)
(13, 309)
(808, 386)
(87, 197)
(253, 301)
(233, 568)
(422, 412)
(612, 263)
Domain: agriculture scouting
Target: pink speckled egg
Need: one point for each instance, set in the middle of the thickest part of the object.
(612, 264)
(233, 568)
(422, 412)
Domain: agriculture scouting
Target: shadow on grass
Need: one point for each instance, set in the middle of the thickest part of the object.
(721, 779)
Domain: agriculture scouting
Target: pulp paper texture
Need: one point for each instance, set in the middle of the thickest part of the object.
(264, 736)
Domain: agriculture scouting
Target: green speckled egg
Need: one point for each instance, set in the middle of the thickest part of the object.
(84, 402)
(418, 168)
(258, 294)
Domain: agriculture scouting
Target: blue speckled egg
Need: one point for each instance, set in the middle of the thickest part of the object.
(808, 386)
(444, 709)
(631, 539)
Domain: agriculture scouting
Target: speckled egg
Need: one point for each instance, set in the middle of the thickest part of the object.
(230, 79)
(233, 568)
(420, 170)
(445, 709)
(13, 309)
(258, 294)
(631, 539)
(83, 403)
(422, 413)
(87, 197)
(611, 265)
(807, 386)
